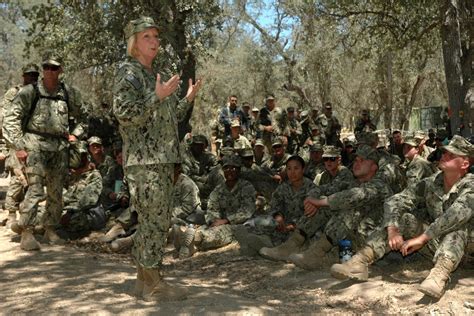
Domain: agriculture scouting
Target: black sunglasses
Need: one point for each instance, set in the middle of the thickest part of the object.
(330, 158)
(51, 67)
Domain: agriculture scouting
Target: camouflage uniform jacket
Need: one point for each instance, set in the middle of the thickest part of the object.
(446, 212)
(49, 124)
(241, 143)
(111, 172)
(7, 100)
(83, 191)
(236, 205)
(290, 203)
(311, 169)
(185, 197)
(325, 178)
(198, 168)
(417, 169)
(149, 127)
(276, 118)
(276, 166)
(390, 171)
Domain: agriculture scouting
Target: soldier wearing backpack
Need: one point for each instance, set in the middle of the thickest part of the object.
(40, 124)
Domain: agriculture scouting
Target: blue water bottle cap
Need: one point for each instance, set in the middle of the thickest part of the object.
(345, 243)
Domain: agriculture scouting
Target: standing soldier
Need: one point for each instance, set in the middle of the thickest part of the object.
(18, 184)
(39, 125)
(148, 112)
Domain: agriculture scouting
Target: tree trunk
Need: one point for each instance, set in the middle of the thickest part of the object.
(457, 57)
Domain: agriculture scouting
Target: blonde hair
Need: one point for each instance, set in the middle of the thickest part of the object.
(131, 50)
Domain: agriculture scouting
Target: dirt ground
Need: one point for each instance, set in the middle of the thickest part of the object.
(85, 278)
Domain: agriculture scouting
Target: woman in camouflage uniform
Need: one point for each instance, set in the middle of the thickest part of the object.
(148, 112)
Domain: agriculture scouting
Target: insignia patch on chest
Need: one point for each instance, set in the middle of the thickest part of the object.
(134, 81)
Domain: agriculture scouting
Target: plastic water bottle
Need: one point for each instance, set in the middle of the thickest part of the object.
(345, 250)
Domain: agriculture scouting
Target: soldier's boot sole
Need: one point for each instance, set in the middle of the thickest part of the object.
(343, 271)
(28, 241)
(431, 288)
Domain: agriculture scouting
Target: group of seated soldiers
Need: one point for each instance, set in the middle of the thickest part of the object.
(290, 204)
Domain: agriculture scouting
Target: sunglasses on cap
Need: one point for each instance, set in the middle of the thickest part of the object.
(330, 158)
(51, 67)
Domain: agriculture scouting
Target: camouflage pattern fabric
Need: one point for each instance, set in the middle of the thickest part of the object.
(241, 143)
(417, 169)
(43, 136)
(275, 166)
(311, 169)
(390, 171)
(325, 178)
(151, 146)
(236, 205)
(16, 191)
(185, 197)
(260, 179)
(111, 172)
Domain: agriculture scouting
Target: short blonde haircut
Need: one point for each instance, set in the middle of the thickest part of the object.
(131, 50)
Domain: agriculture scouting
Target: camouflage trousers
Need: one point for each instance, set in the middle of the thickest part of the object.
(44, 169)
(15, 194)
(151, 192)
(127, 218)
(338, 225)
(214, 237)
(451, 245)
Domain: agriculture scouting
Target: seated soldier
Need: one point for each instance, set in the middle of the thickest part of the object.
(260, 154)
(112, 178)
(416, 167)
(436, 212)
(334, 170)
(351, 214)
(82, 210)
(231, 203)
(286, 207)
(276, 165)
(315, 163)
(260, 178)
(240, 142)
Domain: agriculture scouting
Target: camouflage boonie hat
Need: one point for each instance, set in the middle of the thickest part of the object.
(460, 146)
(199, 139)
(259, 142)
(94, 140)
(51, 58)
(367, 152)
(246, 153)
(412, 141)
(331, 151)
(30, 68)
(138, 25)
(367, 138)
(231, 160)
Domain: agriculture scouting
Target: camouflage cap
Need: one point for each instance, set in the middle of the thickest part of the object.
(138, 25)
(367, 138)
(367, 152)
(51, 58)
(460, 146)
(94, 140)
(412, 141)
(226, 150)
(270, 97)
(331, 151)
(30, 68)
(277, 142)
(199, 139)
(235, 123)
(290, 109)
(247, 152)
(231, 160)
(255, 109)
(259, 142)
(316, 147)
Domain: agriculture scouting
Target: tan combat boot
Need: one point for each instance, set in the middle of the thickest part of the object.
(357, 268)
(28, 241)
(187, 248)
(283, 251)
(140, 282)
(156, 289)
(11, 219)
(121, 244)
(436, 281)
(311, 259)
(51, 237)
(113, 233)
